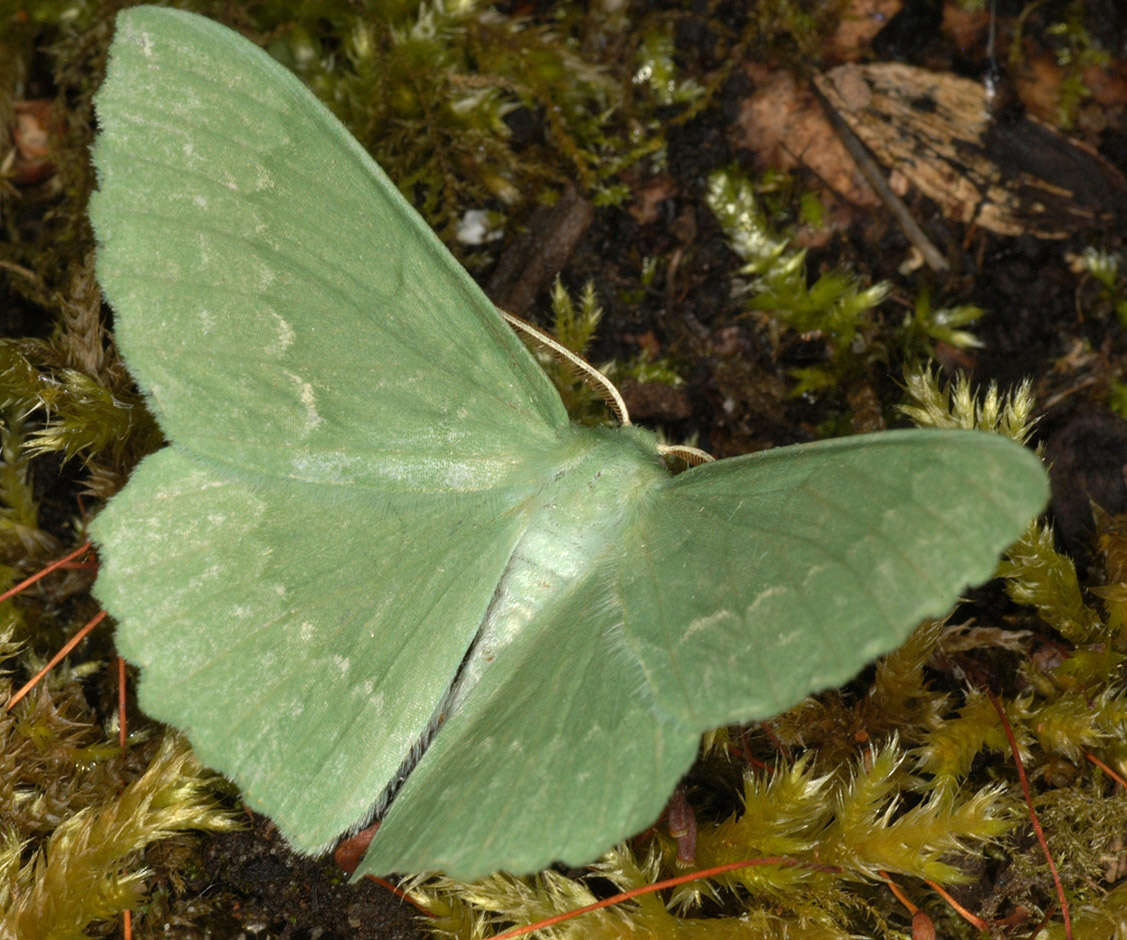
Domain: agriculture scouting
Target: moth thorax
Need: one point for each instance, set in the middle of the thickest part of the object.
(576, 519)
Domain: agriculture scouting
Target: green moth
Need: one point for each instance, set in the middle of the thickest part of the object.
(378, 571)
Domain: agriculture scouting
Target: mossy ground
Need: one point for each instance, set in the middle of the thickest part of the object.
(637, 105)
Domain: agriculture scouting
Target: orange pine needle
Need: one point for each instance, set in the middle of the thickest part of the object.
(39, 575)
(1107, 770)
(900, 895)
(122, 735)
(973, 919)
(56, 659)
(126, 916)
(966, 915)
(399, 893)
(657, 886)
(1040, 833)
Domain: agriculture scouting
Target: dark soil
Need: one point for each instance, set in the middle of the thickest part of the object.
(1041, 323)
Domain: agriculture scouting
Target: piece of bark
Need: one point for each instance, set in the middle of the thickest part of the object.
(1013, 175)
(875, 176)
(783, 124)
(532, 262)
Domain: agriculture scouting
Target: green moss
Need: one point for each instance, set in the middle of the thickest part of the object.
(1105, 267)
(835, 307)
(1076, 51)
(906, 770)
(927, 325)
(429, 89)
(89, 868)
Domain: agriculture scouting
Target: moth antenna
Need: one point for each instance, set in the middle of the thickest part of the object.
(588, 372)
(693, 456)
